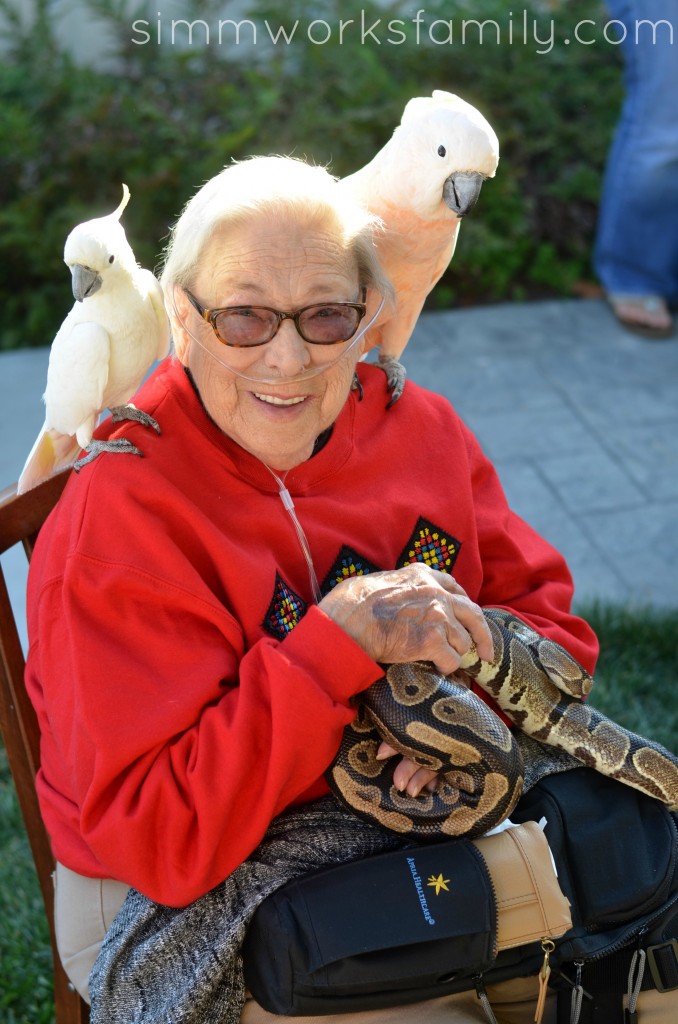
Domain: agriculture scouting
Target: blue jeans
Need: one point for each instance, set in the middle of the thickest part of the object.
(636, 250)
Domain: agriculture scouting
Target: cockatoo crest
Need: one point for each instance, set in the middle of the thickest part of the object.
(441, 100)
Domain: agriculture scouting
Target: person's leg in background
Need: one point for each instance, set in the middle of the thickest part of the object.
(636, 251)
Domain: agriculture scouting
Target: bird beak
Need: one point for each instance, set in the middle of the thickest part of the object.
(461, 191)
(85, 282)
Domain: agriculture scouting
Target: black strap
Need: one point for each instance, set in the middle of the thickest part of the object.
(662, 960)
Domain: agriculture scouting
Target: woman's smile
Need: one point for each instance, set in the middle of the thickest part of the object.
(279, 400)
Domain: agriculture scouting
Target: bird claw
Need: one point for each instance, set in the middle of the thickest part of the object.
(130, 412)
(395, 377)
(94, 448)
(357, 386)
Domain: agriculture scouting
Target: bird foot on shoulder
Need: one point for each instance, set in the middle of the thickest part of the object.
(95, 448)
(130, 412)
(395, 377)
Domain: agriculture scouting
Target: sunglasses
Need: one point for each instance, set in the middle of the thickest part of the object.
(322, 323)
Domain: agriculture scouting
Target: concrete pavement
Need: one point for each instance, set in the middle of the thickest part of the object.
(579, 416)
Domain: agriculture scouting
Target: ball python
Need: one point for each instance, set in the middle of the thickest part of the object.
(440, 724)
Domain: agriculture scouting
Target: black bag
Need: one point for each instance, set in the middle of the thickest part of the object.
(370, 933)
(353, 938)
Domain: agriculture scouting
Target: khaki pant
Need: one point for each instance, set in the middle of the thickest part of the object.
(85, 908)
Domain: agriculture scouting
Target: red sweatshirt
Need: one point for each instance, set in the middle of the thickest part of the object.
(187, 687)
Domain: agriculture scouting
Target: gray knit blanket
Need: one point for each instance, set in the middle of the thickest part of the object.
(163, 965)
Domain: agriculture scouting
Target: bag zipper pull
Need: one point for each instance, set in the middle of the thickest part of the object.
(635, 981)
(577, 994)
(547, 945)
(484, 1000)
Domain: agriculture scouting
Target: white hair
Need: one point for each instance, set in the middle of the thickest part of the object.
(274, 187)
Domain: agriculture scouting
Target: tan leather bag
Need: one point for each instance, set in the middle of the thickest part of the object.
(530, 903)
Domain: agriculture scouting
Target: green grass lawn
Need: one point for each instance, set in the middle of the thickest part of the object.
(636, 682)
(636, 685)
(25, 956)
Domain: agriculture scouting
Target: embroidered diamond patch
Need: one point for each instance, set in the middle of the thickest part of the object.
(348, 563)
(431, 545)
(285, 610)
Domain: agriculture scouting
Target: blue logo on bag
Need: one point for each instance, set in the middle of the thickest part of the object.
(420, 891)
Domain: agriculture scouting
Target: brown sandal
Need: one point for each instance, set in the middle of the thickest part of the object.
(645, 315)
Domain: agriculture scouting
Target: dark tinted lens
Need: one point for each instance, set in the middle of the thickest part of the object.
(247, 326)
(327, 324)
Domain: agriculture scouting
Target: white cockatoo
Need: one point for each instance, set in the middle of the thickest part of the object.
(420, 184)
(115, 331)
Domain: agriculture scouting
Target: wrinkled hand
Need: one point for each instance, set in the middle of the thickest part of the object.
(410, 614)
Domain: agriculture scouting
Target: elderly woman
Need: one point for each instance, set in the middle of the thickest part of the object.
(201, 617)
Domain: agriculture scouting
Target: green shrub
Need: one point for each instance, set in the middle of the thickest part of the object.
(165, 118)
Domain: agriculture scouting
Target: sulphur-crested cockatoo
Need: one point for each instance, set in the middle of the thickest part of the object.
(421, 183)
(116, 329)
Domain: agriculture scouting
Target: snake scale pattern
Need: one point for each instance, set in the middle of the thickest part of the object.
(440, 724)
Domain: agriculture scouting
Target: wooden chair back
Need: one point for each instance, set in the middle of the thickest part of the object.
(21, 517)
